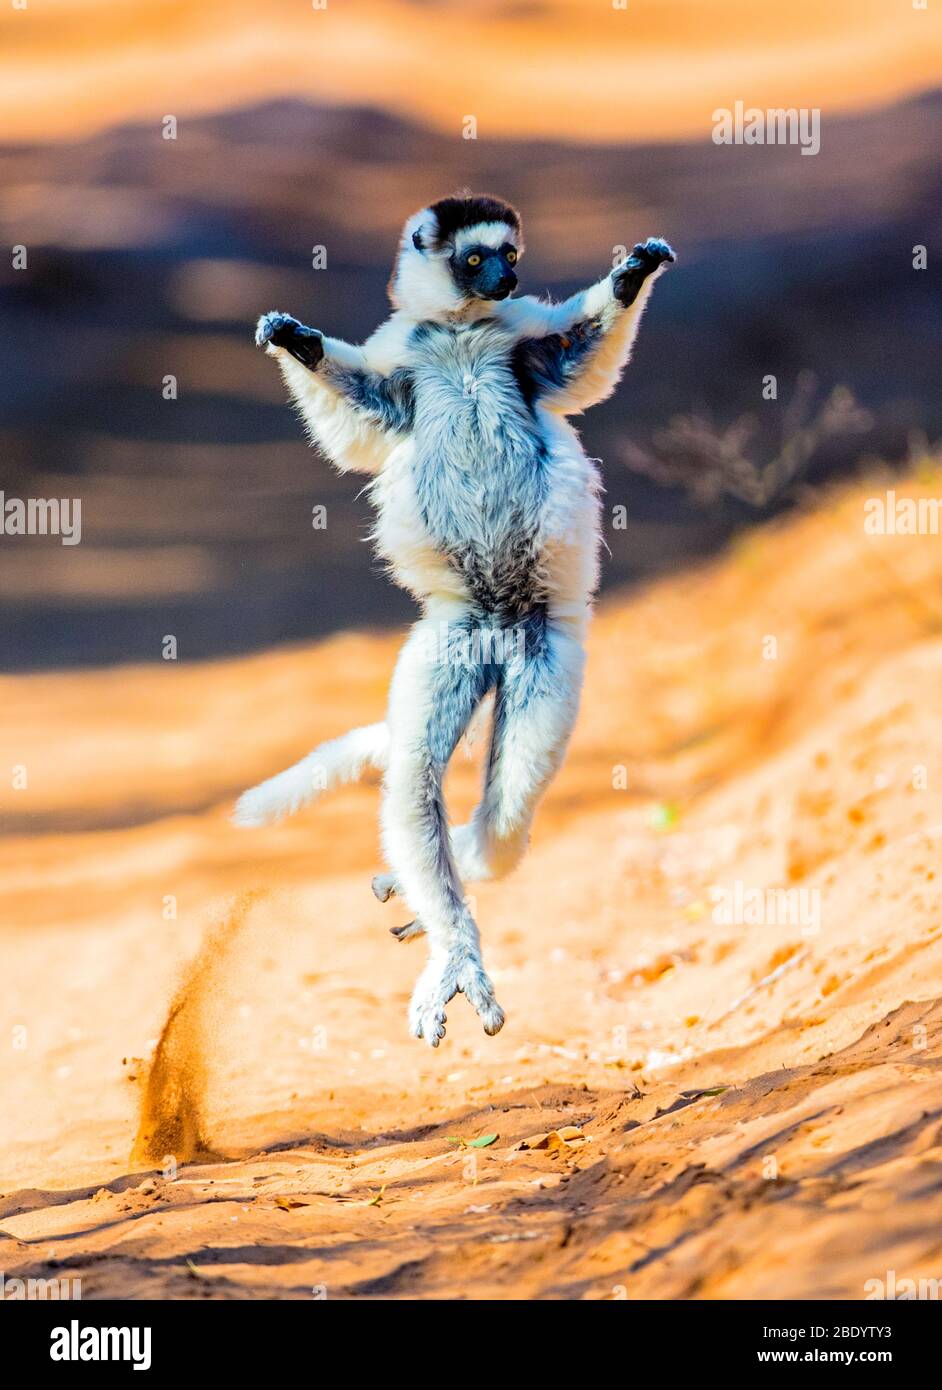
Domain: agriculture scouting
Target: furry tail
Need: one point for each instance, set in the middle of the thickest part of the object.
(340, 760)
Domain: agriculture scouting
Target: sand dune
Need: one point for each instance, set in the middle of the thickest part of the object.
(759, 1089)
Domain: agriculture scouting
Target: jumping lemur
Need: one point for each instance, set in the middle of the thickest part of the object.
(488, 511)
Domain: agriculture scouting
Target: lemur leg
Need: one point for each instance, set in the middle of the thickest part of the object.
(432, 699)
(535, 708)
(386, 886)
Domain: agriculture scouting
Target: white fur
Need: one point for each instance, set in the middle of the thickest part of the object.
(492, 234)
(423, 284)
(348, 441)
(340, 760)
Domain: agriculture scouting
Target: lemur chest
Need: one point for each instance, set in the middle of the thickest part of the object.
(471, 422)
(464, 383)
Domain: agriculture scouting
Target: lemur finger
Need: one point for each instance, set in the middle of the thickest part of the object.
(654, 250)
(408, 932)
(268, 325)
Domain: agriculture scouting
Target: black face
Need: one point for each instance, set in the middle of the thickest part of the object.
(483, 272)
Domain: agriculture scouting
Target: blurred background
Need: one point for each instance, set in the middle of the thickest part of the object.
(299, 127)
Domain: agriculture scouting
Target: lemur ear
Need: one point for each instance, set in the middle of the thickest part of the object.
(425, 246)
(420, 234)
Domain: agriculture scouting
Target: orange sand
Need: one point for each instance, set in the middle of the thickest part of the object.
(333, 1166)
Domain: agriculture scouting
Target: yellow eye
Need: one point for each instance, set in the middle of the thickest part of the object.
(512, 257)
(474, 260)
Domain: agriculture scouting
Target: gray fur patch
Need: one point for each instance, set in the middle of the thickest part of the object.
(386, 401)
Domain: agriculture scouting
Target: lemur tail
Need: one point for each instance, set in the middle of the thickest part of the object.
(340, 760)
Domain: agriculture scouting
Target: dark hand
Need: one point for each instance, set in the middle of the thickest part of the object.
(281, 330)
(643, 261)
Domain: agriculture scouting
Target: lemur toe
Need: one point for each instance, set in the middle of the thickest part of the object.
(428, 1024)
(491, 1015)
(476, 986)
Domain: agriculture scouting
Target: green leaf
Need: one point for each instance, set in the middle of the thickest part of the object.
(663, 816)
(484, 1141)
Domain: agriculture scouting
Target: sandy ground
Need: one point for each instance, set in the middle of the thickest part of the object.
(754, 1098)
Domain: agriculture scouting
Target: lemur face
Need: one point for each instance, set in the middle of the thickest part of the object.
(483, 237)
(456, 253)
(486, 272)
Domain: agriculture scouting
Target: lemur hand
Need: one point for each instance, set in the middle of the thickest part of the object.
(628, 278)
(281, 330)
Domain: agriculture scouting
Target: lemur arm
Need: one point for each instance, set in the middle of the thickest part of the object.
(570, 355)
(352, 412)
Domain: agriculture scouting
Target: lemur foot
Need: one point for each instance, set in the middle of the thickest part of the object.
(281, 330)
(385, 886)
(645, 258)
(440, 981)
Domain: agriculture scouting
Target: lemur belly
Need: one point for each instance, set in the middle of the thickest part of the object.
(479, 468)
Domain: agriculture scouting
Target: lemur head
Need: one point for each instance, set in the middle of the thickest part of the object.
(456, 257)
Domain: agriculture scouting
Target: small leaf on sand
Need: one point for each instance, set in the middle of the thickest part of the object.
(287, 1203)
(663, 816)
(193, 1272)
(377, 1198)
(566, 1137)
(482, 1141)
